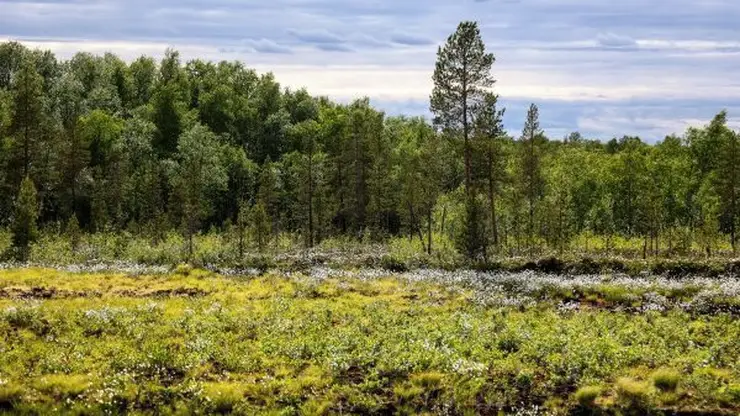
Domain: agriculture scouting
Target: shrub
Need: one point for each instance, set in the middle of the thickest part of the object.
(633, 394)
(183, 269)
(61, 386)
(223, 396)
(427, 381)
(729, 395)
(509, 342)
(666, 379)
(587, 395)
(10, 394)
(393, 264)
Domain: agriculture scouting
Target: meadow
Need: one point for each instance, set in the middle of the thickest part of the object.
(135, 339)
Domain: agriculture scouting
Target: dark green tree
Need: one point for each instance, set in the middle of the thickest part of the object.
(24, 226)
(462, 78)
(28, 110)
(199, 172)
(531, 169)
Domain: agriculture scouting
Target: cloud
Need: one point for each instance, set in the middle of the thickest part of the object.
(267, 46)
(332, 47)
(589, 64)
(611, 40)
(412, 40)
(316, 36)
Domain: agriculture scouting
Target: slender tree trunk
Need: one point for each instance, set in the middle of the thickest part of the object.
(342, 208)
(190, 244)
(444, 218)
(492, 200)
(310, 196)
(429, 231)
(26, 133)
(74, 171)
(531, 196)
(560, 228)
(466, 132)
(241, 243)
(644, 248)
(733, 200)
(415, 227)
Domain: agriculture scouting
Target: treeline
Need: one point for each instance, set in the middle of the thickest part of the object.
(98, 144)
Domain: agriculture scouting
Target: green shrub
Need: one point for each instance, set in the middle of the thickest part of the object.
(428, 381)
(666, 379)
(10, 394)
(62, 386)
(183, 269)
(223, 396)
(392, 264)
(729, 395)
(586, 396)
(509, 342)
(633, 394)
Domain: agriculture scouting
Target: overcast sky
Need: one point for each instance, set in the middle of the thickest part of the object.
(603, 67)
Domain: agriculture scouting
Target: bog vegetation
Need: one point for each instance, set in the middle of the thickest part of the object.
(98, 145)
(325, 341)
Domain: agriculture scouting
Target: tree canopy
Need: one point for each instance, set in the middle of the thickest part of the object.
(147, 147)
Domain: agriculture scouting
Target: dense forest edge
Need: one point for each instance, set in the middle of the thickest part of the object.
(215, 164)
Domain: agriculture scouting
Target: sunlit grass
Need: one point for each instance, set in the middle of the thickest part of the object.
(195, 341)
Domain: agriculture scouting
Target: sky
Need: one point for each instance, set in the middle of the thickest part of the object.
(605, 68)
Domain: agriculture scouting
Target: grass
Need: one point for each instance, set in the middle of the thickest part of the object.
(286, 251)
(193, 341)
(634, 394)
(586, 396)
(666, 379)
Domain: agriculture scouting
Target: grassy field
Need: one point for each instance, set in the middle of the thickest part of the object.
(323, 341)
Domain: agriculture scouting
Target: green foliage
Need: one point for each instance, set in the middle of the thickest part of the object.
(223, 397)
(471, 239)
(633, 394)
(666, 379)
(151, 341)
(73, 232)
(62, 386)
(586, 396)
(260, 224)
(152, 147)
(24, 227)
(10, 395)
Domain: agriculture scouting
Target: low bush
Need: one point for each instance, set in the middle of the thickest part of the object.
(586, 396)
(223, 397)
(10, 395)
(666, 379)
(632, 394)
(62, 386)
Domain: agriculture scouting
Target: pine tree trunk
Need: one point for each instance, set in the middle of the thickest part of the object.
(429, 232)
(492, 200)
(310, 198)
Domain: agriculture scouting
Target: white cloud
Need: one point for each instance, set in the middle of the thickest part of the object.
(573, 54)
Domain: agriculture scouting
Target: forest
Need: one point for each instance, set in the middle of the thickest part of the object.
(96, 144)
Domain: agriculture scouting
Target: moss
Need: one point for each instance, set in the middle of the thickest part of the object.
(223, 397)
(183, 269)
(427, 381)
(369, 345)
(586, 396)
(666, 379)
(61, 386)
(408, 392)
(633, 394)
(10, 395)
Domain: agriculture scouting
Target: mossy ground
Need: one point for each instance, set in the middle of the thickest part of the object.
(196, 342)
